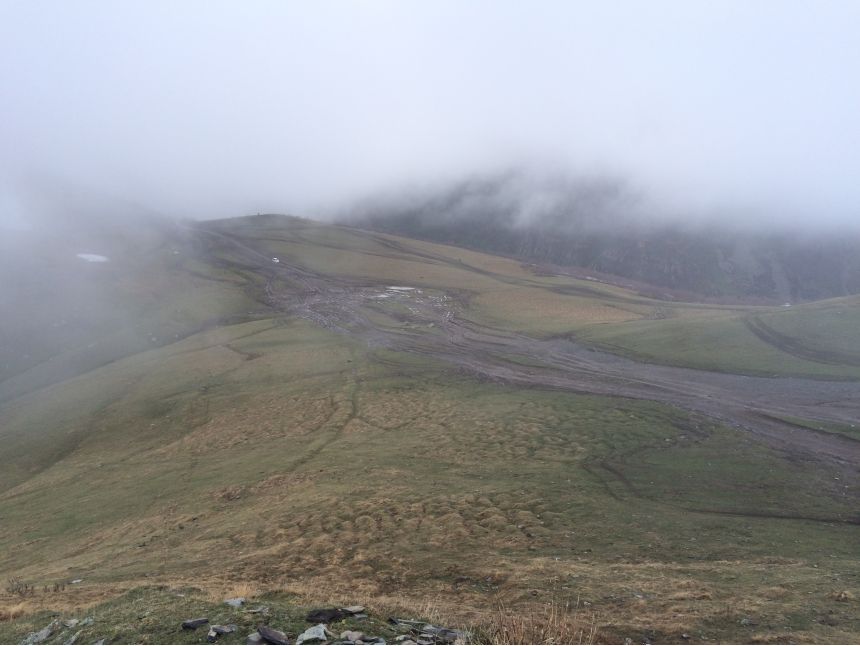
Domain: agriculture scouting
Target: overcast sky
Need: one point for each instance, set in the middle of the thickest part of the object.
(214, 108)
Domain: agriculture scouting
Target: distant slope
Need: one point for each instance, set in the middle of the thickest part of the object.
(62, 315)
(591, 229)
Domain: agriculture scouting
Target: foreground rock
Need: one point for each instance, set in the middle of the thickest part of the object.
(314, 635)
(328, 615)
(352, 636)
(42, 635)
(194, 624)
(216, 630)
(415, 632)
(272, 636)
(425, 634)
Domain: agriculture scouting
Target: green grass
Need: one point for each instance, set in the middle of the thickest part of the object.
(723, 342)
(265, 451)
(829, 326)
(848, 430)
(154, 615)
(502, 293)
(321, 464)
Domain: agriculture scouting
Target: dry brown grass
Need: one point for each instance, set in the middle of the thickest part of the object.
(73, 598)
(542, 311)
(551, 623)
(14, 610)
(218, 593)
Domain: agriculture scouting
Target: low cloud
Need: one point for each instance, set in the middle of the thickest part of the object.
(724, 111)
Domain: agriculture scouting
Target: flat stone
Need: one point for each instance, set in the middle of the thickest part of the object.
(71, 623)
(42, 635)
(352, 635)
(406, 624)
(224, 629)
(193, 624)
(315, 634)
(219, 629)
(272, 636)
(353, 610)
(448, 636)
(235, 602)
(254, 639)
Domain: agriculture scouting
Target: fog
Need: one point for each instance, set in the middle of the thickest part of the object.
(723, 111)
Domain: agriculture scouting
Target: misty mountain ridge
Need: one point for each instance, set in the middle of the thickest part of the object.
(606, 226)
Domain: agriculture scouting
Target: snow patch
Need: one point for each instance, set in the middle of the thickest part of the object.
(92, 257)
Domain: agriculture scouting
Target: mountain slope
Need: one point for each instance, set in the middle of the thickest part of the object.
(599, 227)
(394, 419)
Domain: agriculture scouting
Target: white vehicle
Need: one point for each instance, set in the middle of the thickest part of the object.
(276, 260)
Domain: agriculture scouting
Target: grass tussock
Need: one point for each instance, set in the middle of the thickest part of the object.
(551, 623)
(219, 593)
(14, 610)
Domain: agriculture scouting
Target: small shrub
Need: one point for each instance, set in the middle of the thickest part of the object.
(16, 586)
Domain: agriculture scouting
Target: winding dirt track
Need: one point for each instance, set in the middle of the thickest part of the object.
(751, 403)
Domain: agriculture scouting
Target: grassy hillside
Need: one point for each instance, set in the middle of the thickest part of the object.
(506, 294)
(263, 450)
(814, 340)
(63, 316)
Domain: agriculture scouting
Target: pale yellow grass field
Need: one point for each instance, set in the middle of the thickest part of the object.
(541, 311)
